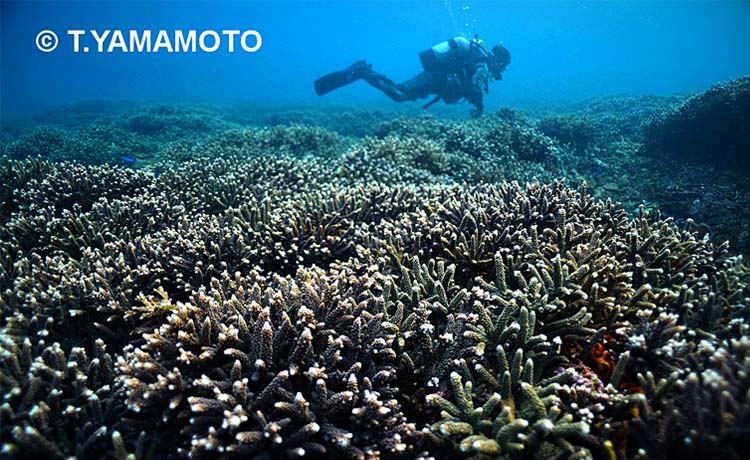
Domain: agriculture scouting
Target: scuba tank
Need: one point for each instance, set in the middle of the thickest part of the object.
(449, 59)
(445, 56)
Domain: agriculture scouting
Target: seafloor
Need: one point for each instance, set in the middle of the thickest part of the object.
(190, 281)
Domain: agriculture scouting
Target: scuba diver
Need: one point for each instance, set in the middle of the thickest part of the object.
(455, 69)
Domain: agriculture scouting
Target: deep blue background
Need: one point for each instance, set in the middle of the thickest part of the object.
(562, 51)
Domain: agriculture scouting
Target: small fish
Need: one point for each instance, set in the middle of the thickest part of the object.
(130, 160)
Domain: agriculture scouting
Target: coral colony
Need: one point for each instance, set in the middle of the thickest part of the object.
(434, 290)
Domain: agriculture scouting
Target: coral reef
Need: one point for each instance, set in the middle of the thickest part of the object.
(347, 120)
(429, 291)
(578, 132)
(610, 143)
(506, 134)
(710, 127)
(138, 133)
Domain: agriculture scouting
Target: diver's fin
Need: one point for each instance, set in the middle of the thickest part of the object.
(336, 80)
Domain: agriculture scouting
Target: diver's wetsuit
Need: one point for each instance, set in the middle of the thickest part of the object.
(468, 79)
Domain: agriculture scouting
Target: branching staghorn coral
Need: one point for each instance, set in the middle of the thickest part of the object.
(15, 175)
(526, 426)
(263, 376)
(54, 403)
(231, 301)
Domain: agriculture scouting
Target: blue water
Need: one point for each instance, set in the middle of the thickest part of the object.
(265, 281)
(562, 51)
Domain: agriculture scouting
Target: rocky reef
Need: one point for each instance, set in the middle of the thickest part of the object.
(431, 291)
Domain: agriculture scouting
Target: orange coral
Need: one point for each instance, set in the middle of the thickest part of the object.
(604, 361)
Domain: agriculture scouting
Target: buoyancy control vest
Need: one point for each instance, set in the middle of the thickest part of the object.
(450, 58)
